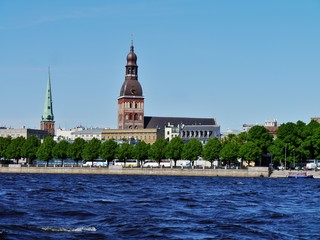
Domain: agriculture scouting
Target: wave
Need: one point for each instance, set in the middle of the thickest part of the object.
(78, 229)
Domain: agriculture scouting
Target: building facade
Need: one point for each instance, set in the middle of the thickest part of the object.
(147, 135)
(23, 132)
(47, 121)
(88, 134)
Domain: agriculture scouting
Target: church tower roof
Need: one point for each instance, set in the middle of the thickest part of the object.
(48, 111)
(131, 86)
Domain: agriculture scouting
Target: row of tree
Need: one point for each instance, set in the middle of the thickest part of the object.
(295, 143)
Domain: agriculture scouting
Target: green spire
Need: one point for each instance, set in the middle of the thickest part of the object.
(48, 112)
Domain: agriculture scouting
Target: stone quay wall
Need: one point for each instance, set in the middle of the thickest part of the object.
(251, 172)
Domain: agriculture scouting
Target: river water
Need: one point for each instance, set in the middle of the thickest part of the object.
(39, 206)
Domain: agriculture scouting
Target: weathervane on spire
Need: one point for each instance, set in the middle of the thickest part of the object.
(131, 39)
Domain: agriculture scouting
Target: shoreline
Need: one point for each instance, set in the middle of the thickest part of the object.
(250, 172)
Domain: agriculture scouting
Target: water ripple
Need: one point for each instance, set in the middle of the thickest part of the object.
(152, 207)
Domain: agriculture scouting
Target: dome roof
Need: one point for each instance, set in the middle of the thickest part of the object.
(131, 88)
(132, 57)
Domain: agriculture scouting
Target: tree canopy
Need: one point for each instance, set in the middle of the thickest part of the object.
(91, 150)
(45, 150)
(108, 150)
(174, 149)
(30, 148)
(192, 150)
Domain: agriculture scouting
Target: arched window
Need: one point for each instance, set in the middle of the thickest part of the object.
(130, 104)
(136, 116)
(130, 116)
(129, 70)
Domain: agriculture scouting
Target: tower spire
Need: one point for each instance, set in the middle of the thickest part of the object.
(131, 100)
(47, 122)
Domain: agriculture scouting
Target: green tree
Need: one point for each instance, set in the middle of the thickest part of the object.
(277, 150)
(91, 150)
(60, 150)
(241, 138)
(124, 152)
(30, 148)
(261, 137)
(4, 143)
(14, 149)
(75, 149)
(140, 151)
(158, 150)
(174, 149)
(45, 150)
(211, 150)
(108, 150)
(250, 152)
(229, 153)
(192, 150)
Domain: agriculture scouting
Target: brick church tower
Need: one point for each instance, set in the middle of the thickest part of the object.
(47, 121)
(131, 100)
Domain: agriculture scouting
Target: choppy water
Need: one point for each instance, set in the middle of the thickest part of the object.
(157, 207)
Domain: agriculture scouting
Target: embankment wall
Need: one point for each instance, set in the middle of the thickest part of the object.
(251, 172)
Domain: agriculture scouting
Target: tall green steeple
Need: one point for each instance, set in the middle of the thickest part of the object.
(47, 122)
(48, 111)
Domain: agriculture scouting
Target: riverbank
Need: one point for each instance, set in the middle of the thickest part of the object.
(250, 172)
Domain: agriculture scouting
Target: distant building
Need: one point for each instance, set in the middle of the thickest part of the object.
(270, 125)
(317, 119)
(64, 134)
(47, 120)
(186, 128)
(147, 135)
(132, 124)
(88, 134)
(23, 132)
(171, 131)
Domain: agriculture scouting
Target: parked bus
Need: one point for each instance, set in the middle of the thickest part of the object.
(96, 163)
(126, 163)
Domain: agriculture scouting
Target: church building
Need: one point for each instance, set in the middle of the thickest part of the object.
(134, 125)
(47, 120)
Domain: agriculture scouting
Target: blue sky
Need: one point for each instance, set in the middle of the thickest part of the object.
(238, 61)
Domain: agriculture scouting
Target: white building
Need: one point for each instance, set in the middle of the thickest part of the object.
(171, 131)
(63, 134)
(88, 134)
(78, 132)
